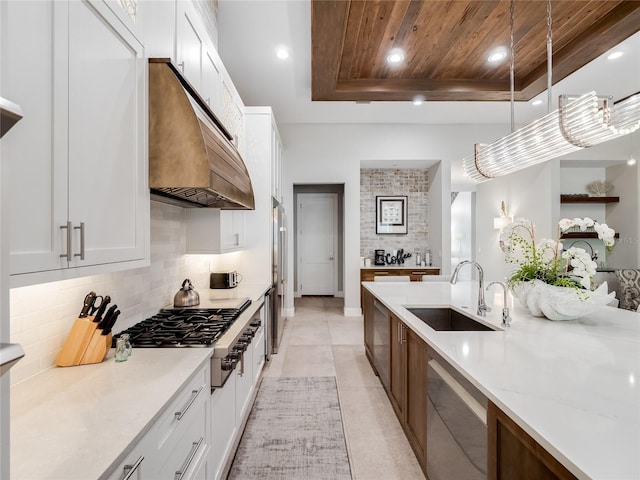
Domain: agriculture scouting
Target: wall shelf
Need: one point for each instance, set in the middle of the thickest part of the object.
(583, 235)
(586, 199)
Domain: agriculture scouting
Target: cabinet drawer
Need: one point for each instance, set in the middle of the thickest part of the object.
(134, 466)
(183, 456)
(187, 407)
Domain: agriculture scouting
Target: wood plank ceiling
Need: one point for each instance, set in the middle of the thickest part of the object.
(447, 43)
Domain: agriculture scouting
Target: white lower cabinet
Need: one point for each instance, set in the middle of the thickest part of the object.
(177, 444)
(133, 467)
(259, 347)
(223, 425)
(244, 385)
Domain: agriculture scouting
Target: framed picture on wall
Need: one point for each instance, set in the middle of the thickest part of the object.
(391, 214)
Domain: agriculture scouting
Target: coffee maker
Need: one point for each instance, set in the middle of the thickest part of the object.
(379, 257)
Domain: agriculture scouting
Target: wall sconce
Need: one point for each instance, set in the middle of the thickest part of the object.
(503, 220)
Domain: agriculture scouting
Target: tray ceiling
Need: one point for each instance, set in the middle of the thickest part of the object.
(447, 43)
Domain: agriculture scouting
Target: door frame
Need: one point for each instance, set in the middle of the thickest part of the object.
(334, 217)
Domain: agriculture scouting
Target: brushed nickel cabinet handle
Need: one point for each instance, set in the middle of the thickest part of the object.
(185, 466)
(194, 395)
(81, 228)
(68, 254)
(129, 470)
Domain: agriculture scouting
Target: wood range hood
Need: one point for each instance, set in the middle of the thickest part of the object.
(192, 161)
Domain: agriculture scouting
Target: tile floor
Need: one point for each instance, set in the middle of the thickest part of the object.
(320, 341)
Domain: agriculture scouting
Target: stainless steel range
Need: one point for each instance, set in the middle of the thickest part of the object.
(200, 327)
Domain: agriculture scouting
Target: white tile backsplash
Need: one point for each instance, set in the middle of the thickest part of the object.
(41, 315)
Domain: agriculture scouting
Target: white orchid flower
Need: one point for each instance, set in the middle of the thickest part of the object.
(566, 223)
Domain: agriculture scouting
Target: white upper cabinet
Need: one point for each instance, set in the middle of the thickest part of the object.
(266, 149)
(211, 79)
(79, 195)
(211, 230)
(189, 44)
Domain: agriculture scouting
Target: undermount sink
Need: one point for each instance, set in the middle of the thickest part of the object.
(449, 320)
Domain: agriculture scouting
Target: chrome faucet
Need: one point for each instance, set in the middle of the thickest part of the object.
(482, 306)
(506, 318)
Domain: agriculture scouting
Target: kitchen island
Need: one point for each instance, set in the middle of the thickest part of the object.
(571, 386)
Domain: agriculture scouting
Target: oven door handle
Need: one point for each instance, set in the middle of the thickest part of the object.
(473, 405)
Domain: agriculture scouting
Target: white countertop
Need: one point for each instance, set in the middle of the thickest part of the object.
(573, 386)
(404, 266)
(78, 422)
(254, 291)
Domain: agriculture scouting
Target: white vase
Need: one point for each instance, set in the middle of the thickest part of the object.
(560, 303)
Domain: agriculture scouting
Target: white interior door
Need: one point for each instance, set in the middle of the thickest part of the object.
(317, 243)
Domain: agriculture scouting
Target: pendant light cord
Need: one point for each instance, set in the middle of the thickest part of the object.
(549, 57)
(512, 67)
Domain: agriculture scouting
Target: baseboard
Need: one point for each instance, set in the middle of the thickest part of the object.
(352, 312)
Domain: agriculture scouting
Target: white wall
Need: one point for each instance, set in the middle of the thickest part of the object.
(462, 231)
(440, 216)
(321, 153)
(623, 216)
(532, 193)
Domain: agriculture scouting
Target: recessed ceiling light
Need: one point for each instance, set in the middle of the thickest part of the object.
(418, 99)
(282, 52)
(395, 56)
(614, 55)
(497, 55)
(631, 162)
(535, 103)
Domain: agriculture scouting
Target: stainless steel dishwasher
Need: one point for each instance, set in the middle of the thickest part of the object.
(456, 424)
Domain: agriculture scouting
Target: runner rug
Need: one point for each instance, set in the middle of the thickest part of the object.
(294, 431)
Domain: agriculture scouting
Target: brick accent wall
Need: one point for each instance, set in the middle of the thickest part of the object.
(414, 183)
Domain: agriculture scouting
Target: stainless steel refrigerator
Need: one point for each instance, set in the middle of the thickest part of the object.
(279, 281)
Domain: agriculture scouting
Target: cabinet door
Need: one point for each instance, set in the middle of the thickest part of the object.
(398, 333)
(211, 82)
(258, 345)
(188, 45)
(244, 384)
(223, 425)
(33, 74)
(416, 405)
(368, 324)
(231, 230)
(107, 108)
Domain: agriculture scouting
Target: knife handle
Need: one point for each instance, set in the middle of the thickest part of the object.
(103, 306)
(88, 302)
(111, 323)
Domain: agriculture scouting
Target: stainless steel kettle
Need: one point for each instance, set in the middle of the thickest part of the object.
(186, 296)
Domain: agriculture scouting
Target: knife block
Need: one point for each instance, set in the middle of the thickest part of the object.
(80, 338)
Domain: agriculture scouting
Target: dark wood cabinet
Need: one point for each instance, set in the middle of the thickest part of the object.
(368, 274)
(367, 307)
(397, 390)
(512, 453)
(408, 391)
(416, 394)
